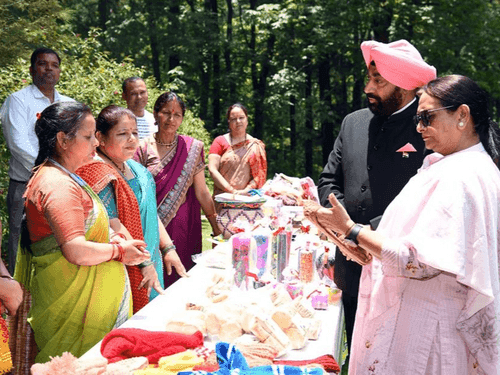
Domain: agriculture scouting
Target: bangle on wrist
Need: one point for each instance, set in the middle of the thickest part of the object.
(168, 249)
(118, 234)
(112, 251)
(6, 277)
(211, 215)
(145, 263)
(121, 253)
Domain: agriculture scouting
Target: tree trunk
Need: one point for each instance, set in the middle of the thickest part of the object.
(381, 22)
(216, 68)
(293, 135)
(325, 98)
(253, 73)
(357, 91)
(153, 41)
(103, 13)
(309, 121)
(174, 15)
(260, 90)
(227, 52)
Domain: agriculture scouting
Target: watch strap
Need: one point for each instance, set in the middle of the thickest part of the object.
(353, 234)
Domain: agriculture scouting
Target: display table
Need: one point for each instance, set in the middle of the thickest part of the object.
(156, 315)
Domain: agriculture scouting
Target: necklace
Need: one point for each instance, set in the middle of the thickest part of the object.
(165, 144)
(121, 170)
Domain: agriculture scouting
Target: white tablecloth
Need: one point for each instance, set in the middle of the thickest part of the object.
(156, 315)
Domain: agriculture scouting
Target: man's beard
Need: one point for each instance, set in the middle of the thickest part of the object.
(388, 106)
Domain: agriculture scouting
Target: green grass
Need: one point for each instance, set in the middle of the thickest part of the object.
(206, 230)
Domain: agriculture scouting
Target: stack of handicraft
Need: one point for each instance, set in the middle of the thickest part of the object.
(271, 282)
(280, 246)
(236, 207)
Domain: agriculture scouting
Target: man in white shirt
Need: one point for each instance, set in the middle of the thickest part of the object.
(135, 93)
(18, 115)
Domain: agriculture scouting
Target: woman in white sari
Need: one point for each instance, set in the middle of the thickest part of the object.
(429, 299)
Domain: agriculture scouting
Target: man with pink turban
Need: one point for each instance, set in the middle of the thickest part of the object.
(367, 169)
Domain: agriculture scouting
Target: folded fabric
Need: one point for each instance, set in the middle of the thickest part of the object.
(151, 371)
(209, 357)
(125, 343)
(326, 361)
(180, 362)
(231, 359)
(68, 364)
(398, 62)
(172, 364)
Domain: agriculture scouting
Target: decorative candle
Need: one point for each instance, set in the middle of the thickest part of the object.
(306, 265)
(260, 259)
(241, 247)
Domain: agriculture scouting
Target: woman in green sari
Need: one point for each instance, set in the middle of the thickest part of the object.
(70, 261)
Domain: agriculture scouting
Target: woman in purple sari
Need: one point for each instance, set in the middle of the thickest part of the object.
(177, 164)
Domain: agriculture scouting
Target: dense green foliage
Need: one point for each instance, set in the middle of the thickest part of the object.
(89, 76)
(26, 24)
(296, 64)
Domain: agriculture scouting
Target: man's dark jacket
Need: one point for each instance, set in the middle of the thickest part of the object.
(365, 173)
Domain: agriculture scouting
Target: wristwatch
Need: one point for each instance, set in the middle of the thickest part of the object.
(352, 237)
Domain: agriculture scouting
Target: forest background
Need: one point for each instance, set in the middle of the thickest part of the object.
(296, 64)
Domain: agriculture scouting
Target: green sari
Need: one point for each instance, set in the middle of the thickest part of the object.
(73, 307)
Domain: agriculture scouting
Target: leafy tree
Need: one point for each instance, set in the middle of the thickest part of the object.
(89, 76)
(27, 24)
(296, 64)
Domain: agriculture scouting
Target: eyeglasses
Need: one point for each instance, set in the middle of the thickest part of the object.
(424, 117)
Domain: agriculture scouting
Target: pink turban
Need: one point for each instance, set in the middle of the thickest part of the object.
(398, 62)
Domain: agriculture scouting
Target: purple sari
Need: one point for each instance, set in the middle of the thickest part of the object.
(178, 207)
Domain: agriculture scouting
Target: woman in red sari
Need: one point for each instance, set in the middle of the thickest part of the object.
(237, 161)
(178, 166)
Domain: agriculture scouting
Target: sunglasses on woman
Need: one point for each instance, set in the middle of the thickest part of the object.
(424, 116)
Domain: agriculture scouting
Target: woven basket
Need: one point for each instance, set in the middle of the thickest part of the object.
(228, 216)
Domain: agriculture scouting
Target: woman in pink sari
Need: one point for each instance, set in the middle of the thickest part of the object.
(237, 161)
(178, 166)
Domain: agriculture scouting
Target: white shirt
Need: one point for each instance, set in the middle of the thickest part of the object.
(18, 116)
(146, 125)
